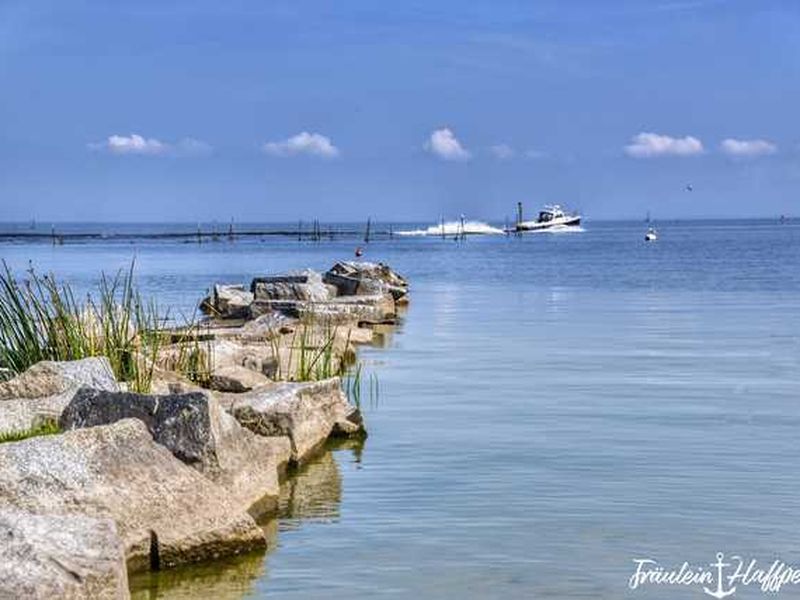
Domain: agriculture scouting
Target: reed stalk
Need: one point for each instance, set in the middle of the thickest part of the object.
(41, 319)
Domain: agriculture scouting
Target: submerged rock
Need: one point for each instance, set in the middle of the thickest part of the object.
(308, 413)
(166, 512)
(40, 394)
(197, 431)
(56, 556)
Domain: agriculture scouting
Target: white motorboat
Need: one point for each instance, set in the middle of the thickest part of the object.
(651, 235)
(550, 216)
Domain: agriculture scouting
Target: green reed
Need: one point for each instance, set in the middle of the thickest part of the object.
(353, 385)
(41, 319)
(312, 352)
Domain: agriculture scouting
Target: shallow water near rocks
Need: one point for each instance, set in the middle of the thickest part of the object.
(551, 407)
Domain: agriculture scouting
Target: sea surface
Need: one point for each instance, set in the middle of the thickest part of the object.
(551, 408)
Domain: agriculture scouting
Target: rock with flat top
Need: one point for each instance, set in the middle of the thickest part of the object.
(198, 432)
(306, 286)
(55, 556)
(234, 378)
(307, 413)
(228, 302)
(166, 512)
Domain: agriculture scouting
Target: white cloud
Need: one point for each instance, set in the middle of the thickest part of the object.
(131, 144)
(747, 148)
(649, 145)
(502, 151)
(313, 144)
(136, 144)
(444, 144)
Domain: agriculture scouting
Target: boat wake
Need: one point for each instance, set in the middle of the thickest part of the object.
(452, 228)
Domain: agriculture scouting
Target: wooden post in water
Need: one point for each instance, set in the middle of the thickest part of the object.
(53, 234)
(366, 233)
(230, 231)
(199, 235)
(300, 230)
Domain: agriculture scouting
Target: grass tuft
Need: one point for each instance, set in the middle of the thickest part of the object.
(41, 319)
(45, 428)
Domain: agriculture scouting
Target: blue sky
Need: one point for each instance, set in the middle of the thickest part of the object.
(197, 110)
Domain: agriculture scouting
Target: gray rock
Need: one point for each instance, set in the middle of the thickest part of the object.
(234, 378)
(50, 378)
(55, 556)
(228, 302)
(351, 278)
(256, 356)
(197, 431)
(374, 308)
(40, 394)
(308, 413)
(306, 286)
(166, 512)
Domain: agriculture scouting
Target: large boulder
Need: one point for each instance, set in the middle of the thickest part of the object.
(308, 413)
(228, 302)
(40, 394)
(51, 378)
(197, 431)
(166, 512)
(55, 556)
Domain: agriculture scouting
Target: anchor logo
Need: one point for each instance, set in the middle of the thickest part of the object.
(720, 592)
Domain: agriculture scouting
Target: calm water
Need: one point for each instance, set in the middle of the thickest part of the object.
(552, 407)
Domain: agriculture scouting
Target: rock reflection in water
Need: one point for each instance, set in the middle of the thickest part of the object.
(227, 579)
(313, 492)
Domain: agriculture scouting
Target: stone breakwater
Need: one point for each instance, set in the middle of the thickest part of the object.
(137, 482)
